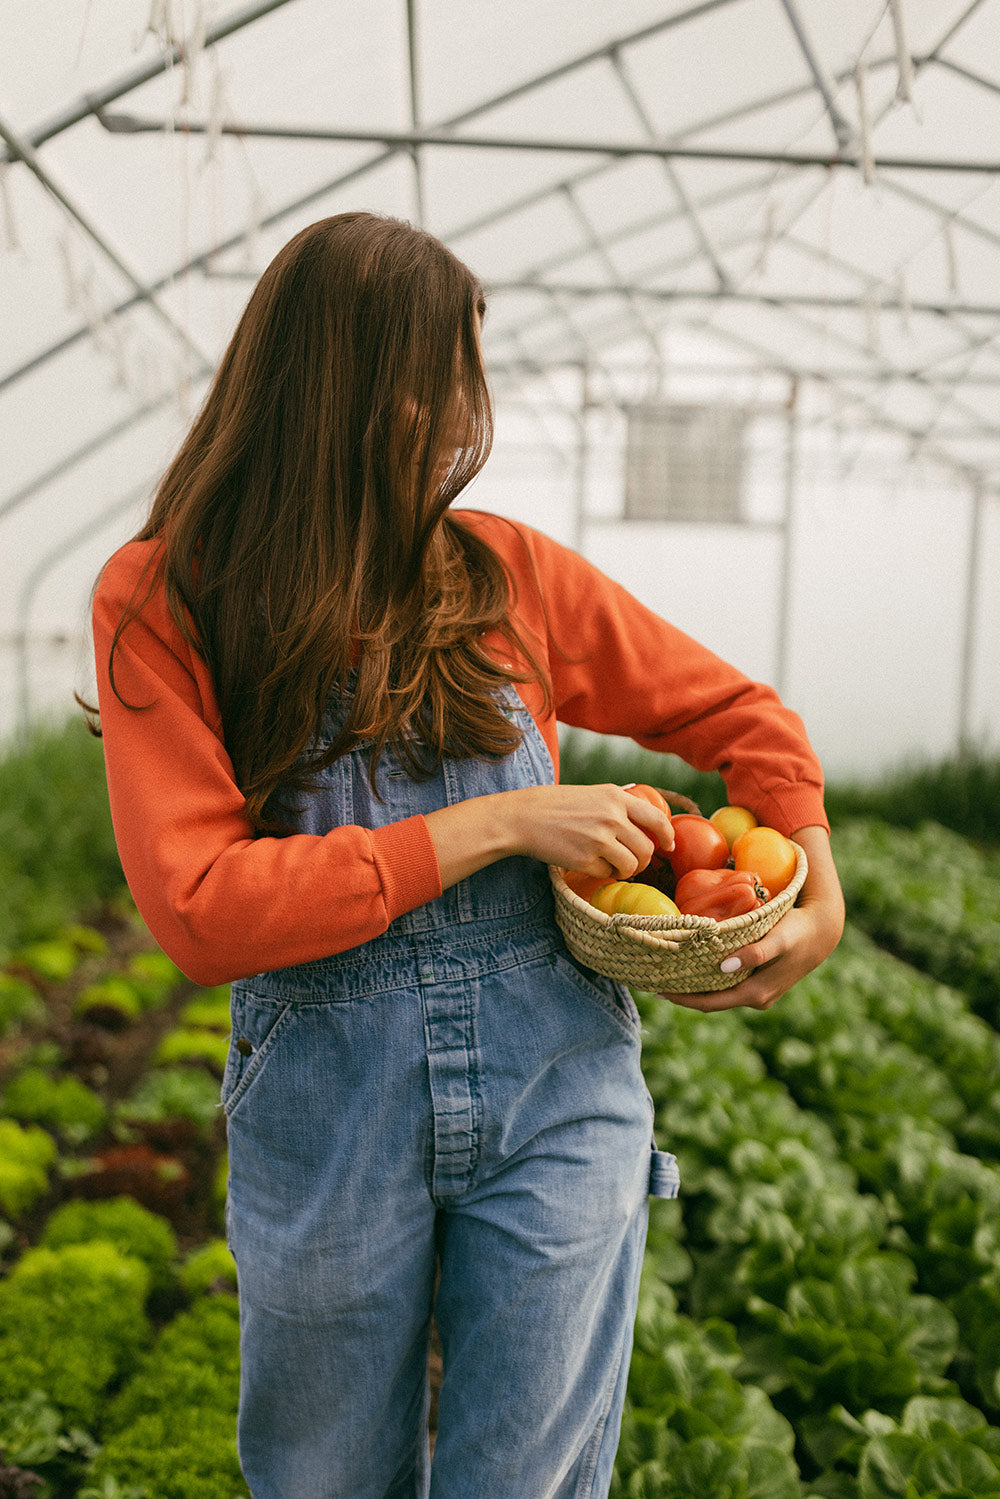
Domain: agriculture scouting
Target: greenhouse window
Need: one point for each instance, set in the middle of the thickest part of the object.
(684, 462)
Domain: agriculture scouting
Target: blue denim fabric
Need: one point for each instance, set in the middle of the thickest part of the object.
(461, 1090)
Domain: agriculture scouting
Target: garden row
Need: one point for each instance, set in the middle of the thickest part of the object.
(858, 1282)
(932, 897)
(118, 1328)
(78, 1356)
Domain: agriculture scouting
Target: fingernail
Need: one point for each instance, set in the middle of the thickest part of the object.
(731, 965)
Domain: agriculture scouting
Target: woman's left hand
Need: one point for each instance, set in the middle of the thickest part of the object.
(794, 946)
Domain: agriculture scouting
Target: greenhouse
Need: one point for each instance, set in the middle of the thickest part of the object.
(741, 270)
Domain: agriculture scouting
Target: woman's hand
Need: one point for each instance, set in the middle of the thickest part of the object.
(598, 830)
(794, 946)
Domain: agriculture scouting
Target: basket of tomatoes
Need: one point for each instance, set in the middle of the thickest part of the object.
(725, 883)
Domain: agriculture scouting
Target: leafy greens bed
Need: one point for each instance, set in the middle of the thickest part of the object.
(820, 1309)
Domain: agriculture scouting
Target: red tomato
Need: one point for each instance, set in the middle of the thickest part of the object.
(697, 845)
(719, 892)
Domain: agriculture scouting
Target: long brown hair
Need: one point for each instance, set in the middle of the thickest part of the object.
(305, 542)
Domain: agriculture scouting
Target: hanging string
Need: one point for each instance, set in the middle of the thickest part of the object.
(216, 113)
(193, 43)
(767, 239)
(256, 207)
(162, 24)
(866, 160)
(83, 34)
(111, 337)
(904, 61)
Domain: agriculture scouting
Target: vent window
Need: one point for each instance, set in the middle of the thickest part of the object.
(684, 462)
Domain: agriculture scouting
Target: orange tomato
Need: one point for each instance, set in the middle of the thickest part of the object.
(649, 794)
(769, 854)
(656, 799)
(733, 822)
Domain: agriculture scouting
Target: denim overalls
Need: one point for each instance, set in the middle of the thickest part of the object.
(457, 1087)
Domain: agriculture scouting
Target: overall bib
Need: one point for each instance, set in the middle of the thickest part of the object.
(456, 1089)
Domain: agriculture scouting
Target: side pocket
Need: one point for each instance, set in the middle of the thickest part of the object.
(258, 1025)
(614, 998)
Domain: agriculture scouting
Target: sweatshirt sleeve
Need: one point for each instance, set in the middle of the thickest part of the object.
(618, 668)
(222, 902)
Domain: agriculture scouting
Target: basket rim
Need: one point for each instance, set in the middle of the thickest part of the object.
(679, 928)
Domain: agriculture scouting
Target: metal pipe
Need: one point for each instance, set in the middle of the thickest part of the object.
(956, 27)
(26, 153)
(782, 670)
(582, 457)
(756, 298)
(414, 82)
(813, 373)
(33, 581)
(677, 186)
(405, 140)
(841, 128)
(69, 461)
(967, 656)
(93, 102)
(601, 251)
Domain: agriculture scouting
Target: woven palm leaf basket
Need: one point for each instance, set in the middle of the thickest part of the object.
(675, 954)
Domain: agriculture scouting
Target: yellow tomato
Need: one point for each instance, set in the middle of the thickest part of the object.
(645, 900)
(733, 822)
(633, 899)
(769, 854)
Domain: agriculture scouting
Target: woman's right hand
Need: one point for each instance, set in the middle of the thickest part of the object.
(598, 830)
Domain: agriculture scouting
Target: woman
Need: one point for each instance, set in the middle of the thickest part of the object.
(329, 707)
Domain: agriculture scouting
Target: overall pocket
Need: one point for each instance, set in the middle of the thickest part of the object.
(613, 998)
(258, 1025)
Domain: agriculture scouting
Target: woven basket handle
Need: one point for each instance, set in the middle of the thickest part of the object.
(652, 939)
(683, 801)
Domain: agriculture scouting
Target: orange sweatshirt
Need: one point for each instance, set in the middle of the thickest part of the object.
(225, 904)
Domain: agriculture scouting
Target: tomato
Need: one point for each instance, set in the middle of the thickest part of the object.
(697, 845)
(605, 897)
(636, 900)
(732, 822)
(720, 893)
(769, 854)
(645, 900)
(649, 794)
(585, 884)
(656, 799)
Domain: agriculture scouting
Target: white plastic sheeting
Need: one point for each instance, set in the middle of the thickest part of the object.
(775, 202)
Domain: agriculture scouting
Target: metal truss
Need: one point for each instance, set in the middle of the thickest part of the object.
(638, 301)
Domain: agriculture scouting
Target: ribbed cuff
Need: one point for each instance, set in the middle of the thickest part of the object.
(407, 865)
(798, 804)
